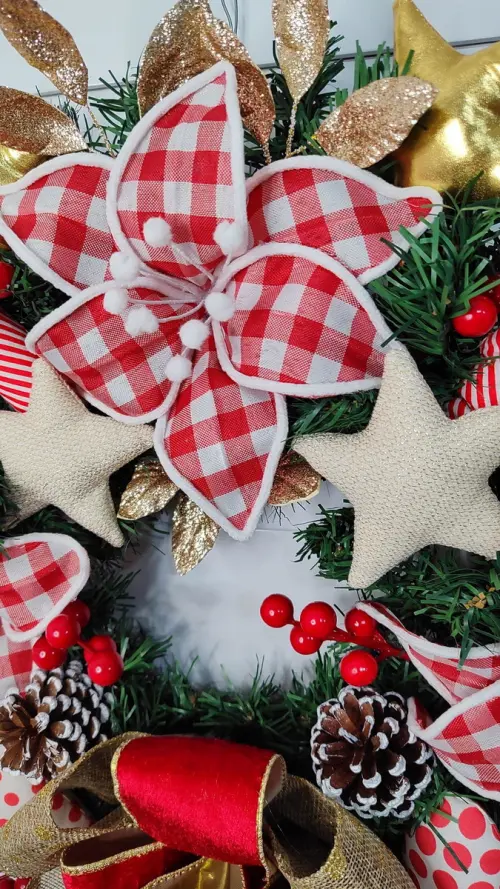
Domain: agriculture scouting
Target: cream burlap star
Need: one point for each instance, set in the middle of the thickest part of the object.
(413, 476)
(59, 453)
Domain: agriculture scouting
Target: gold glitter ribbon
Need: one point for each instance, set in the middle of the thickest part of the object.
(189, 40)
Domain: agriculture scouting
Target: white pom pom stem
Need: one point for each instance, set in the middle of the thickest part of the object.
(124, 267)
(157, 232)
(193, 333)
(139, 320)
(179, 368)
(231, 237)
(115, 300)
(219, 306)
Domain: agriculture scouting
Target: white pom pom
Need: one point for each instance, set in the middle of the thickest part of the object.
(179, 368)
(219, 306)
(116, 300)
(231, 237)
(124, 267)
(157, 232)
(193, 333)
(139, 320)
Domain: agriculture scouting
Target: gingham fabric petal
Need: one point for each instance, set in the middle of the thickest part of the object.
(123, 376)
(54, 219)
(440, 664)
(39, 575)
(183, 163)
(16, 661)
(466, 739)
(15, 364)
(303, 325)
(221, 444)
(338, 208)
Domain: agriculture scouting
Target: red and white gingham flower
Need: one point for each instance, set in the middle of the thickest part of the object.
(39, 575)
(283, 260)
(466, 738)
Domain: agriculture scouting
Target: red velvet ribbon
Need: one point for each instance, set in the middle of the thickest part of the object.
(133, 872)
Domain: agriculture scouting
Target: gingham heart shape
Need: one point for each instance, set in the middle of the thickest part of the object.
(39, 575)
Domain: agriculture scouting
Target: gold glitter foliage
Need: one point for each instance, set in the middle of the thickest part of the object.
(189, 40)
(193, 535)
(46, 45)
(27, 123)
(148, 491)
(295, 481)
(301, 29)
(375, 120)
(460, 136)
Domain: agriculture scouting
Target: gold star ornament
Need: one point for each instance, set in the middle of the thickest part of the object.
(59, 453)
(460, 136)
(413, 476)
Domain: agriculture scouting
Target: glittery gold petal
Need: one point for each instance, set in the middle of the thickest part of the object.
(148, 491)
(46, 45)
(294, 481)
(301, 29)
(15, 164)
(375, 120)
(193, 535)
(187, 41)
(28, 124)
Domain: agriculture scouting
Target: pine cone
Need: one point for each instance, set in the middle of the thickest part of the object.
(60, 715)
(365, 756)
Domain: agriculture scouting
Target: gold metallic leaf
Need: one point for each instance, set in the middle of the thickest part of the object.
(148, 491)
(301, 28)
(193, 535)
(375, 120)
(15, 164)
(294, 481)
(187, 41)
(29, 124)
(46, 45)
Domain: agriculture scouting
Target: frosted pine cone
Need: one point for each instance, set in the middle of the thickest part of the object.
(365, 756)
(60, 715)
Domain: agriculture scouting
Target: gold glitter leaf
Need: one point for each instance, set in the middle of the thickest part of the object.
(294, 481)
(27, 123)
(193, 535)
(375, 120)
(301, 28)
(187, 41)
(46, 45)
(15, 164)
(148, 491)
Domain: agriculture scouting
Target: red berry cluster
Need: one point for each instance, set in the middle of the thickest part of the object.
(104, 664)
(11, 883)
(318, 624)
(481, 316)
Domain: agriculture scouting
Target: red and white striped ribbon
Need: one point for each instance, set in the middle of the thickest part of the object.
(16, 363)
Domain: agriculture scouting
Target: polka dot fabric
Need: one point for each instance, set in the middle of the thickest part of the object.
(16, 790)
(472, 840)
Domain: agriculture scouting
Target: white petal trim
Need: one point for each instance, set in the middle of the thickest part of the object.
(208, 506)
(304, 390)
(34, 262)
(66, 544)
(350, 171)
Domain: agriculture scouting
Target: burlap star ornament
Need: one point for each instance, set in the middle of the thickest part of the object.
(414, 477)
(61, 454)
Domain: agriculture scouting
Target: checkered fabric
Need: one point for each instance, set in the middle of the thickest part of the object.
(181, 171)
(320, 208)
(61, 219)
(219, 436)
(298, 323)
(15, 364)
(123, 373)
(16, 662)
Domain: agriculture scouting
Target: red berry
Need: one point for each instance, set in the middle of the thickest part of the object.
(6, 275)
(98, 644)
(358, 668)
(63, 632)
(318, 619)
(479, 319)
(277, 611)
(46, 657)
(360, 624)
(22, 882)
(302, 643)
(79, 611)
(6, 882)
(105, 668)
